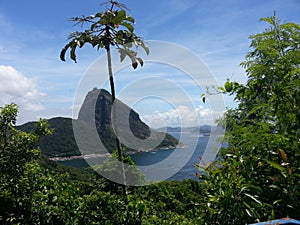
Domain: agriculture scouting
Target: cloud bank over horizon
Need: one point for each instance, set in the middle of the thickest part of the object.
(182, 116)
(19, 89)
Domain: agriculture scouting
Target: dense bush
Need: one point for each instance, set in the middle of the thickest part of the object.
(259, 175)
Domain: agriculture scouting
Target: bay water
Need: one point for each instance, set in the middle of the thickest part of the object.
(166, 164)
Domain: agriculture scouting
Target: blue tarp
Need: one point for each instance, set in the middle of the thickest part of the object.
(278, 222)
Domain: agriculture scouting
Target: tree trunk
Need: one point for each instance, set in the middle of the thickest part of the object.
(113, 96)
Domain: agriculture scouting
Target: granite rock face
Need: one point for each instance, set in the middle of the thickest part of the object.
(97, 110)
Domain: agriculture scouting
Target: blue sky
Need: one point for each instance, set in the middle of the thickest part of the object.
(33, 32)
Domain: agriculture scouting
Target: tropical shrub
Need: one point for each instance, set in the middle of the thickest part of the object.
(258, 174)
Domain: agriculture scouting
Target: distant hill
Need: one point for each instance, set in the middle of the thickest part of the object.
(95, 113)
(204, 130)
(201, 129)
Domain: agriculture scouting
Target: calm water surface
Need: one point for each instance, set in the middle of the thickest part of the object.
(170, 164)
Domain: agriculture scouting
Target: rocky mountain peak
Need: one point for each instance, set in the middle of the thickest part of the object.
(97, 110)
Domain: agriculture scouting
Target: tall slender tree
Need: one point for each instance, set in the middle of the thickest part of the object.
(112, 27)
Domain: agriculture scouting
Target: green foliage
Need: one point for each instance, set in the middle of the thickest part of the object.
(85, 180)
(163, 203)
(28, 195)
(107, 208)
(172, 197)
(61, 142)
(104, 30)
(16, 147)
(229, 196)
(34, 190)
(112, 171)
(259, 175)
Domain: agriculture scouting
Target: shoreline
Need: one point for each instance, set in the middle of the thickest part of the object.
(89, 156)
(101, 155)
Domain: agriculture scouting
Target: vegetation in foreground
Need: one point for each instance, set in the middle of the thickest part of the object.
(256, 178)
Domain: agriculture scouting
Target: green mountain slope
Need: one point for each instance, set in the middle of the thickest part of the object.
(94, 125)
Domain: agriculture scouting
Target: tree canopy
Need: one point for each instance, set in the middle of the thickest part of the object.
(259, 171)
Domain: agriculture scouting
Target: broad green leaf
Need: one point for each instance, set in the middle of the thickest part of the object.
(129, 18)
(128, 26)
(120, 16)
(277, 166)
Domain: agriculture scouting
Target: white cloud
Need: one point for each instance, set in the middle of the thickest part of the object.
(182, 116)
(17, 88)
